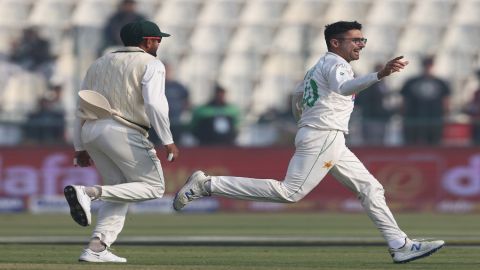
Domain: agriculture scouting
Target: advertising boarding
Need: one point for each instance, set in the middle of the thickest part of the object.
(414, 179)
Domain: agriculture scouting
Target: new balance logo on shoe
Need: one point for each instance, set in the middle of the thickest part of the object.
(416, 247)
(189, 194)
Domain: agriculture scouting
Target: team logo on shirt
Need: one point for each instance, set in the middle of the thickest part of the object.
(328, 164)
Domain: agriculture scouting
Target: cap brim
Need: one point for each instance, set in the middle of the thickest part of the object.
(164, 34)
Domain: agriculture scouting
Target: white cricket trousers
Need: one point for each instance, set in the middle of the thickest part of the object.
(317, 153)
(130, 170)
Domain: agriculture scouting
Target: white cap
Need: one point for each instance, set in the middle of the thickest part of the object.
(95, 103)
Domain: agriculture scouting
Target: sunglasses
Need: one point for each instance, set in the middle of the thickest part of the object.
(356, 40)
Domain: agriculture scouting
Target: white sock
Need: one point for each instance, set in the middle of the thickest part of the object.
(397, 243)
(93, 192)
(96, 245)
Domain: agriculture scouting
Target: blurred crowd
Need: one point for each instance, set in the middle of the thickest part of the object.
(416, 114)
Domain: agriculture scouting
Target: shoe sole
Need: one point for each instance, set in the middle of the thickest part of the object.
(76, 210)
(174, 199)
(99, 261)
(176, 195)
(421, 256)
(85, 261)
(90, 261)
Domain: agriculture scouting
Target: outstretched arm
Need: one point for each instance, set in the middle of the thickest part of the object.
(348, 85)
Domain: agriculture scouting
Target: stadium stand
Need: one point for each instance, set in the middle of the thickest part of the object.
(13, 18)
(239, 71)
(394, 13)
(434, 13)
(347, 10)
(258, 49)
(221, 12)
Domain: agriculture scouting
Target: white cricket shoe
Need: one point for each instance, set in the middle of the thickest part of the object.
(415, 249)
(79, 203)
(193, 189)
(89, 255)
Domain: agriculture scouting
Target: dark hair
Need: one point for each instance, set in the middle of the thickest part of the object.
(334, 30)
(127, 2)
(219, 88)
(428, 61)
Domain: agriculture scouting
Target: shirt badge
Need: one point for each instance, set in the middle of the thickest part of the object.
(328, 164)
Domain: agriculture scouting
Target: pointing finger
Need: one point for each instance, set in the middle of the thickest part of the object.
(397, 58)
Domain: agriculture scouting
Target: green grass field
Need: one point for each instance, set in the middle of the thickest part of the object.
(341, 241)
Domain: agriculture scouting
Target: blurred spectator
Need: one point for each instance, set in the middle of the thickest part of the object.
(54, 95)
(126, 13)
(217, 121)
(282, 122)
(47, 123)
(32, 52)
(425, 102)
(473, 109)
(178, 102)
(372, 103)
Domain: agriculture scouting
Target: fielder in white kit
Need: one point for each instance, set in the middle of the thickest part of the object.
(325, 102)
(131, 81)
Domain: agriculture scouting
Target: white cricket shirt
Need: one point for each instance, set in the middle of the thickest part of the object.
(329, 90)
